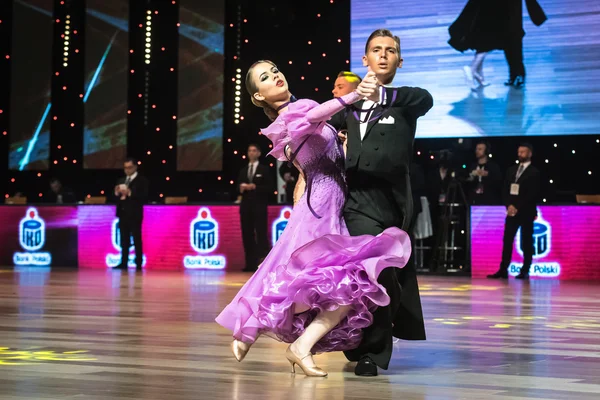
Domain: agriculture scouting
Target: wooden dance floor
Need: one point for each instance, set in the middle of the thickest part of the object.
(112, 335)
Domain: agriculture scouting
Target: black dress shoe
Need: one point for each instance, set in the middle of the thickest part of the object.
(522, 276)
(249, 269)
(499, 275)
(366, 367)
(121, 267)
(509, 82)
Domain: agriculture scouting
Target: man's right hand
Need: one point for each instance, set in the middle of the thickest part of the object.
(368, 88)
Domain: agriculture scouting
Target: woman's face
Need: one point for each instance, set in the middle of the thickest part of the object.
(270, 83)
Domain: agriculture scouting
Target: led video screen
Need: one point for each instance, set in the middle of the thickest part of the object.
(106, 77)
(200, 107)
(30, 94)
(560, 49)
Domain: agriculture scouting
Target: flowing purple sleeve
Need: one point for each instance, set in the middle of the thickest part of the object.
(324, 111)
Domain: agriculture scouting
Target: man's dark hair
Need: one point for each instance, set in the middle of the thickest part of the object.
(383, 33)
(528, 145)
(488, 146)
(55, 180)
(257, 147)
(131, 160)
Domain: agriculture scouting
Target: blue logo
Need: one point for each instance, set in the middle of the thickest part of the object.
(204, 232)
(116, 236)
(32, 237)
(279, 224)
(541, 238)
(204, 239)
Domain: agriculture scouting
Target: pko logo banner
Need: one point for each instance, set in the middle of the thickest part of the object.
(542, 247)
(114, 260)
(32, 237)
(279, 224)
(204, 239)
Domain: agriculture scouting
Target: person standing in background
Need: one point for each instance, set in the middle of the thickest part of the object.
(521, 192)
(255, 184)
(485, 178)
(132, 194)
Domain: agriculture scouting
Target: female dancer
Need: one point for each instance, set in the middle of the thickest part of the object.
(317, 288)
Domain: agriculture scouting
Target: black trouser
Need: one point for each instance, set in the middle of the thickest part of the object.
(131, 227)
(511, 226)
(514, 57)
(377, 338)
(254, 233)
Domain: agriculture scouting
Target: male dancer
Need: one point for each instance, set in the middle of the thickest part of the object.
(380, 147)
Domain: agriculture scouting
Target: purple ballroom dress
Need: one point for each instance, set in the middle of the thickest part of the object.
(315, 262)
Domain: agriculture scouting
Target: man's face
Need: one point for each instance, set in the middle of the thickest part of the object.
(55, 186)
(524, 154)
(253, 154)
(129, 168)
(342, 87)
(480, 151)
(383, 58)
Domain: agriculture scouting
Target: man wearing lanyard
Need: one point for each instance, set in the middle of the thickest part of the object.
(520, 193)
(485, 179)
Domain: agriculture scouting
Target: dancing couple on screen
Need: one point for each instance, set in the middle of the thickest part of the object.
(339, 278)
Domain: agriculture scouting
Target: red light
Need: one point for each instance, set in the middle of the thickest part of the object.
(204, 214)
(302, 78)
(173, 2)
(275, 192)
(245, 40)
(318, 15)
(326, 78)
(57, 21)
(74, 161)
(347, 61)
(64, 88)
(140, 25)
(309, 63)
(132, 71)
(156, 12)
(128, 111)
(178, 24)
(171, 147)
(57, 73)
(102, 192)
(231, 25)
(72, 124)
(164, 161)
(81, 95)
(62, 36)
(234, 57)
(339, 40)
(167, 178)
(287, 215)
(1, 111)
(75, 32)
(12, 180)
(148, 152)
(245, 20)
(40, 196)
(270, 165)
(62, 3)
(219, 178)
(55, 162)
(7, 57)
(157, 129)
(39, 174)
(290, 62)
(59, 147)
(163, 49)
(199, 190)
(65, 158)
(4, 133)
(174, 116)
(153, 105)
(324, 55)
(76, 50)
(140, 95)
(310, 42)
(161, 195)
(231, 182)
(172, 69)
(131, 51)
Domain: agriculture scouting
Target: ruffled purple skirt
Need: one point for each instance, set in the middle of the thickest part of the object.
(328, 272)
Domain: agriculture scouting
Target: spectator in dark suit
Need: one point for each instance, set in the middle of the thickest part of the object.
(485, 178)
(255, 184)
(521, 192)
(59, 194)
(132, 194)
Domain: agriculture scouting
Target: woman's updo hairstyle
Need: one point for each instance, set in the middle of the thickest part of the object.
(252, 88)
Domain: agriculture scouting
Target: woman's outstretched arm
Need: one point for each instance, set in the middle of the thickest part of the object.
(324, 111)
